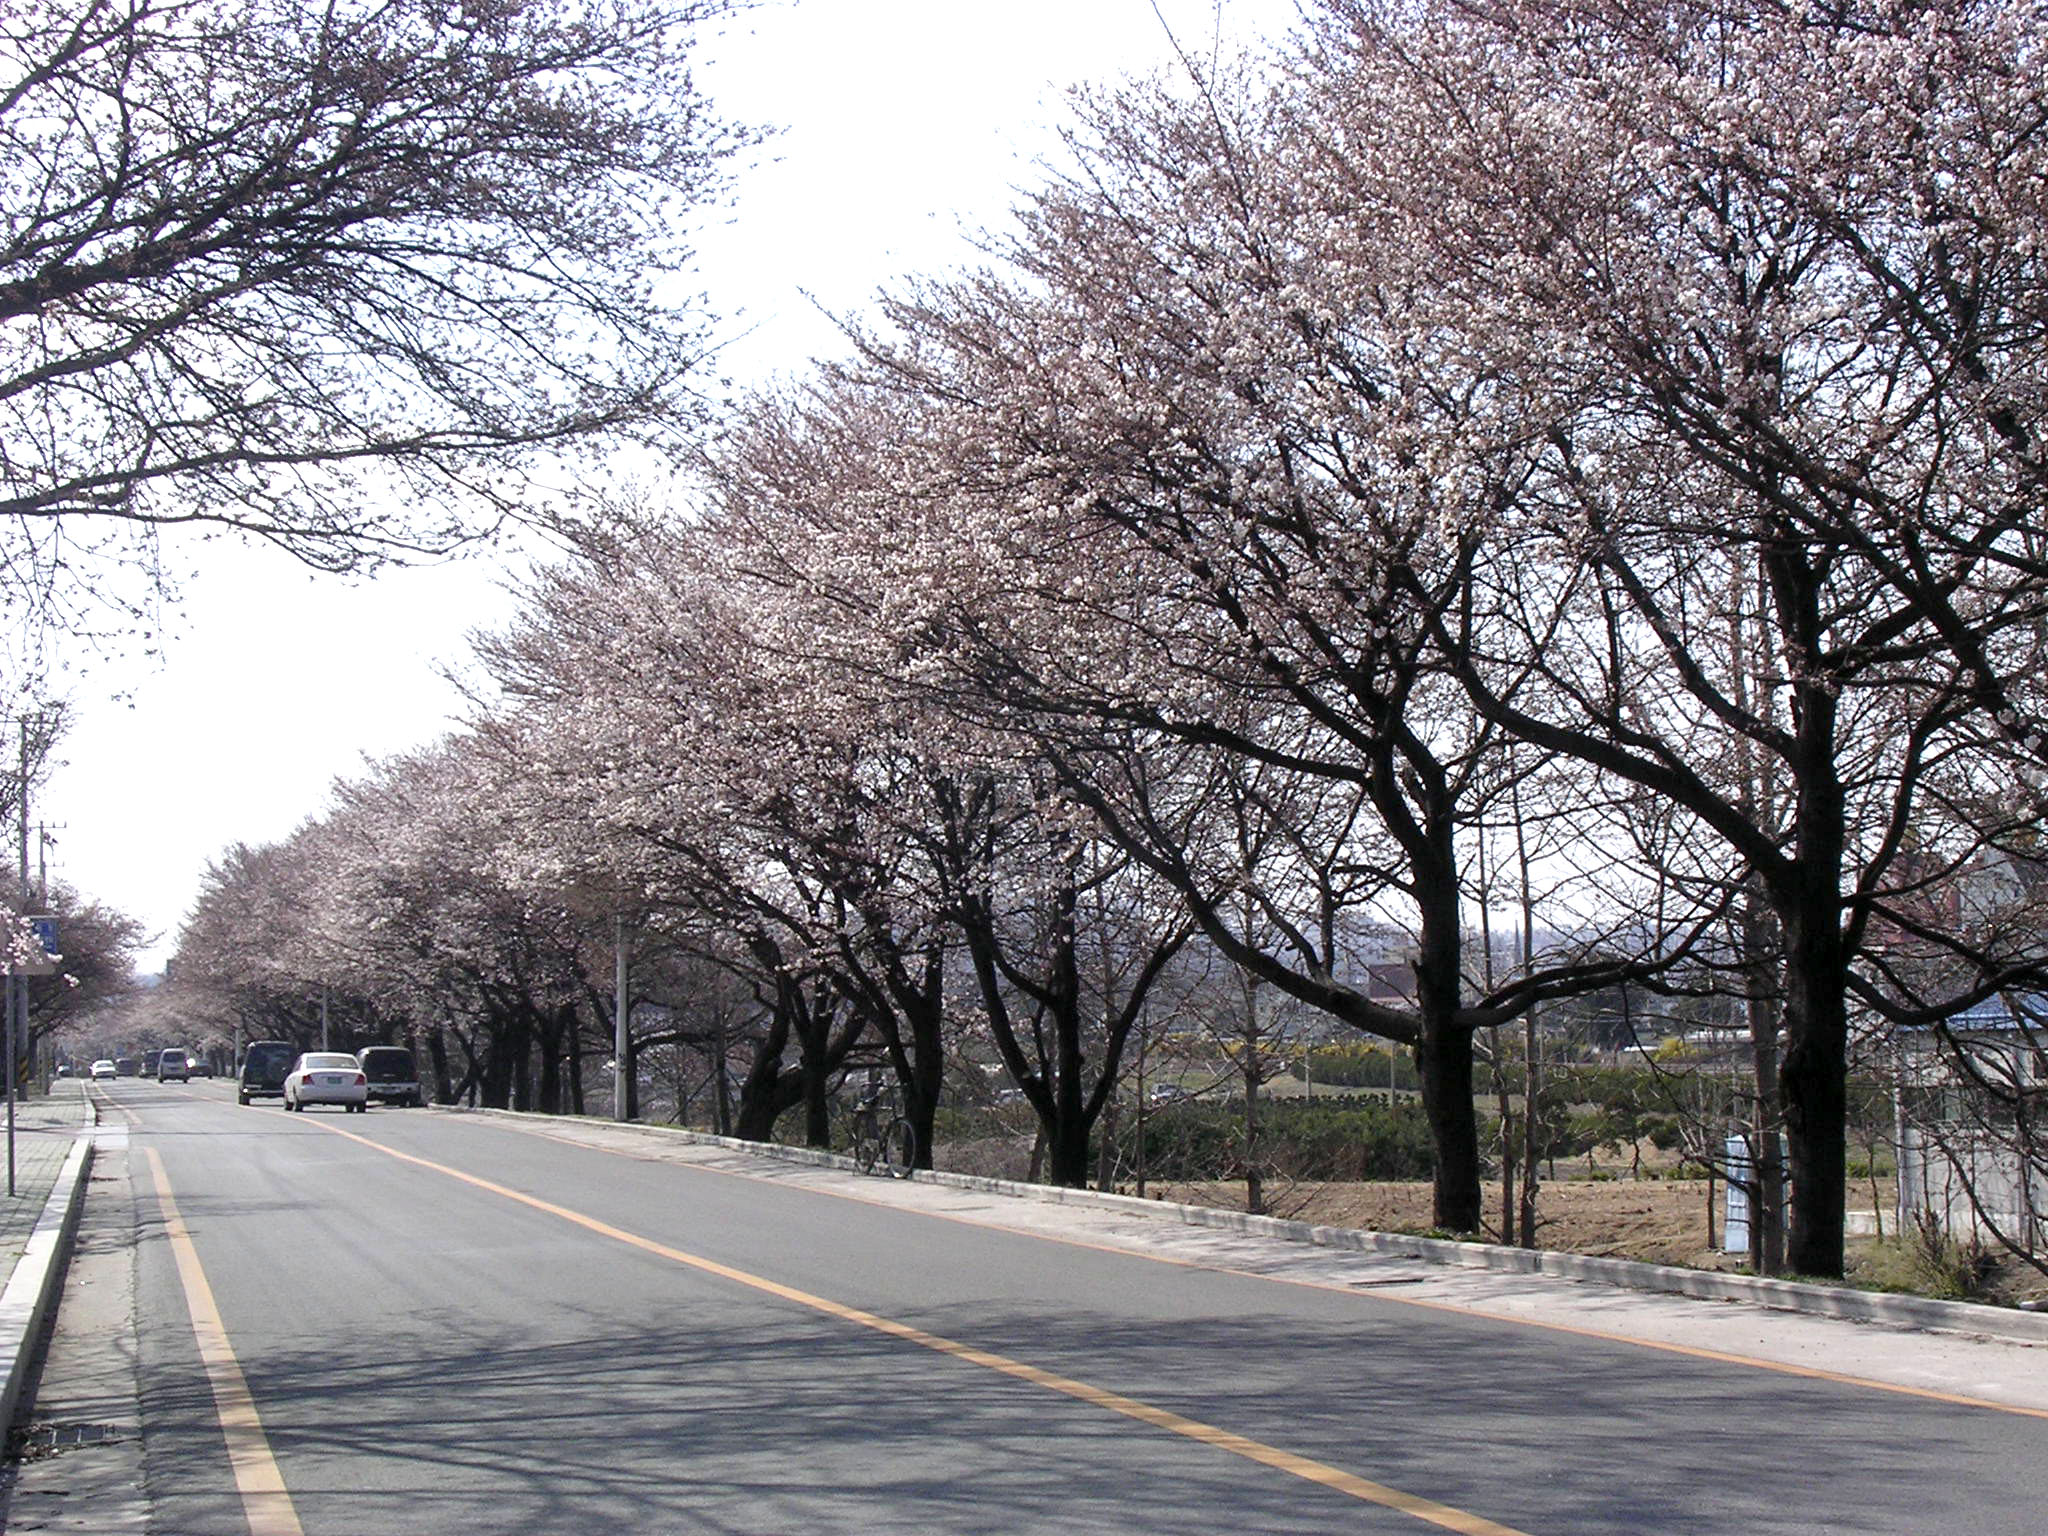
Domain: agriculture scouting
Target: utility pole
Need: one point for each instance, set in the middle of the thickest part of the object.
(17, 1011)
(624, 1077)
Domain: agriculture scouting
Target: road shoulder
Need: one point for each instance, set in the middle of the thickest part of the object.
(82, 1467)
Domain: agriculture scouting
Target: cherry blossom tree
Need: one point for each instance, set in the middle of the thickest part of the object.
(335, 278)
(1763, 287)
(397, 914)
(634, 694)
(427, 868)
(98, 947)
(247, 942)
(1189, 452)
(969, 823)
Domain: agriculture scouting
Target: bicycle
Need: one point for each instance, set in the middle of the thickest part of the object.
(893, 1146)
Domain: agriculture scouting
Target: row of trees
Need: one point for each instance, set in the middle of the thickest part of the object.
(1563, 471)
(357, 280)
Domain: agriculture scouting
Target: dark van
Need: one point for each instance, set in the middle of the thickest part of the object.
(265, 1066)
(394, 1076)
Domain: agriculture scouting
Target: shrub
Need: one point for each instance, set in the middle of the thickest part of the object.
(1323, 1138)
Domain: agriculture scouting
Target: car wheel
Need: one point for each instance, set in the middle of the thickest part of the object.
(242, 1098)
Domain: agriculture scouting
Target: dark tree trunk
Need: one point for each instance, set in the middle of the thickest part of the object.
(1443, 1050)
(1760, 975)
(1814, 1086)
(923, 1074)
(918, 1061)
(501, 1082)
(1814, 1076)
(758, 1106)
(575, 1065)
(1532, 1120)
(437, 1056)
(549, 1098)
(723, 1101)
(1066, 1147)
(1443, 1060)
(519, 1053)
(817, 1087)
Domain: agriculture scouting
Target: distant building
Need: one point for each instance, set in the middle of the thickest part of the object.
(1971, 1122)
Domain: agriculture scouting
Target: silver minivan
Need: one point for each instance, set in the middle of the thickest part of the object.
(173, 1066)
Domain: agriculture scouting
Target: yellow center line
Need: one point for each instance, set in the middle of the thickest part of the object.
(1455, 1309)
(1428, 1510)
(265, 1502)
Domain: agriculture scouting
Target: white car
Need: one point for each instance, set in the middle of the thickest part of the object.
(103, 1069)
(327, 1077)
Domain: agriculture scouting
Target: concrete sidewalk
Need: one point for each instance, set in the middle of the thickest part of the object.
(52, 1160)
(44, 1128)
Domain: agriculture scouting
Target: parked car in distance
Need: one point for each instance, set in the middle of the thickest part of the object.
(394, 1077)
(265, 1066)
(102, 1070)
(125, 1066)
(202, 1066)
(327, 1077)
(173, 1065)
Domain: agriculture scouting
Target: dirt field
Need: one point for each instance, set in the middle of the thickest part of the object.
(1662, 1221)
(1656, 1220)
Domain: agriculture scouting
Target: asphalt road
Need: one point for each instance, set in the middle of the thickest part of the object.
(411, 1322)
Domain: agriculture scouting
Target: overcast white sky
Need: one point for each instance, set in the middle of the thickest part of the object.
(906, 125)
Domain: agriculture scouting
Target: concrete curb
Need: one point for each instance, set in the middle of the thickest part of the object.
(1626, 1274)
(33, 1286)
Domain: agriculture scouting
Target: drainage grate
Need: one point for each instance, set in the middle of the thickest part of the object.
(54, 1439)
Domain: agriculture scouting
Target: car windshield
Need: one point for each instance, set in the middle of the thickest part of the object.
(327, 1061)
